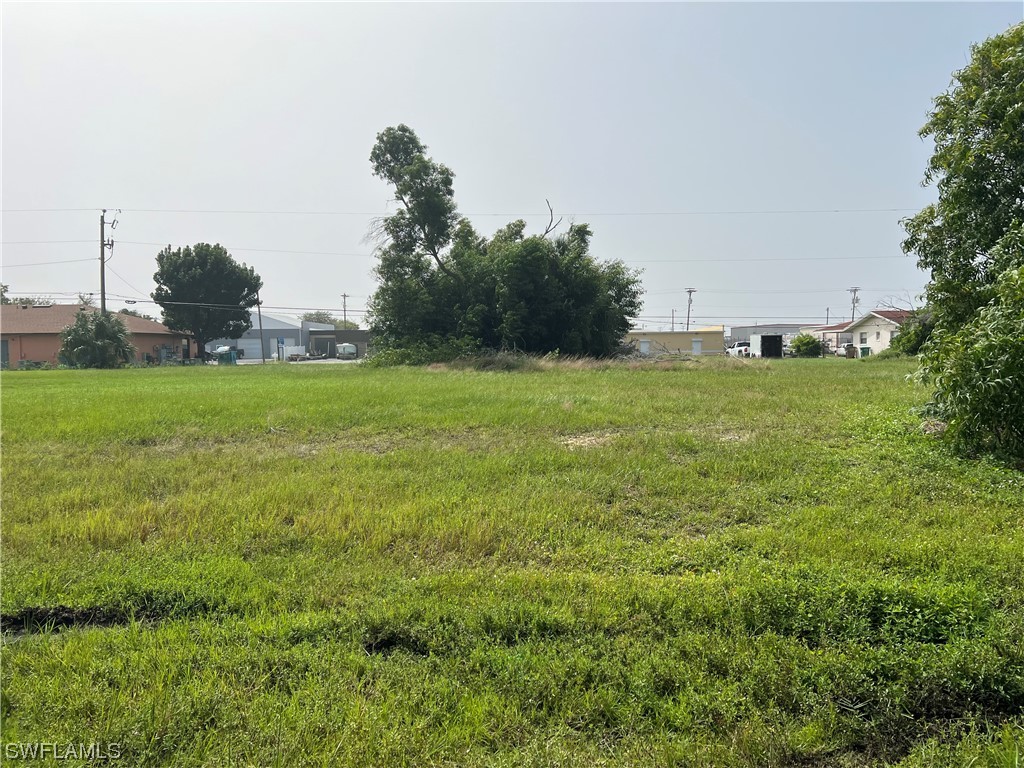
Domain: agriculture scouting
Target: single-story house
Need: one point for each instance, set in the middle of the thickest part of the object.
(834, 335)
(877, 328)
(703, 341)
(278, 330)
(30, 333)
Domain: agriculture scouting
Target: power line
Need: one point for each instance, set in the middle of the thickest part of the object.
(42, 242)
(118, 276)
(775, 291)
(756, 212)
(259, 250)
(370, 255)
(45, 263)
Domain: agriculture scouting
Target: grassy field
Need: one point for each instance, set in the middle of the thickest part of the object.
(730, 563)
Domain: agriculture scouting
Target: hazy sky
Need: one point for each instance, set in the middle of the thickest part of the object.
(677, 131)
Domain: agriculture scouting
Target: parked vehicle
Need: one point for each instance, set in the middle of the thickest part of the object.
(738, 349)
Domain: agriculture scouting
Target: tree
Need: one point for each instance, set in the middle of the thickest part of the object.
(96, 340)
(444, 287)
(806, 345)
(424, 188)
(205, 292)
(323, 316)
(972, 242)
(972, 234)
(4, 299)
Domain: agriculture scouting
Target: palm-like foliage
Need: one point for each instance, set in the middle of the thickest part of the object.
(96, 340)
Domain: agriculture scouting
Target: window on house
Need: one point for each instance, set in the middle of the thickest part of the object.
(878, 335)
(864, 337)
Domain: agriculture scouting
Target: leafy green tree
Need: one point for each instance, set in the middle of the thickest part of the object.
(806, 345)
(96, 340)
(973, 233)
(203, 291)
(424, 188)
(4, 298)
(972, 242)
(323, 316)
(445, 287)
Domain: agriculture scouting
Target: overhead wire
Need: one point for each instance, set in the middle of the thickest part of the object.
(738, 212)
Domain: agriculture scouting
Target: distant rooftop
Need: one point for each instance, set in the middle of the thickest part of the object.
(21, 319)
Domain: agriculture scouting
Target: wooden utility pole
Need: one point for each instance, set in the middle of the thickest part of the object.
(259, 313)
(673, 320)
(103, 261)
(344, 309)
(689, 303)
(853, 303)
(104, 246)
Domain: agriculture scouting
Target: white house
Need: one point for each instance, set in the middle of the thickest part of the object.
(877, 328)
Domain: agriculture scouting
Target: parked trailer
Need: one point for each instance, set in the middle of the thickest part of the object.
(766, 345)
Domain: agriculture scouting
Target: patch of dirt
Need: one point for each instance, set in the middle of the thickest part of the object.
(726, 434)
(587, 440)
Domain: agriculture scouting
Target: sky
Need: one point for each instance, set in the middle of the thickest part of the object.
(762, 154)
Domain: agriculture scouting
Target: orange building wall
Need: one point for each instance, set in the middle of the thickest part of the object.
(43, 347)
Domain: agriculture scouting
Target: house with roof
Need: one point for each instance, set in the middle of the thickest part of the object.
(834, 336)
(30, 335)
(877, 329)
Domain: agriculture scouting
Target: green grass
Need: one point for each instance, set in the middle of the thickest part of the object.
(716, 563)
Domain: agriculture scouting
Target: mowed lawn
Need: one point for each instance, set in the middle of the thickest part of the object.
(733, 563)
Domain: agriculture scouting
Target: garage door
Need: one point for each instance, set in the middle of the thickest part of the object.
(250, 348)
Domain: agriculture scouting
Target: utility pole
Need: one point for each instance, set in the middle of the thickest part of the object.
(103, 262)
(104, 245)
(259, 313)
(854, 302)
(827, 310)
(689, 303)
(673, 320)
(344, 310)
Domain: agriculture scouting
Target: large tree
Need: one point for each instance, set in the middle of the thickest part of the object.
(445, 287)
(973, 233)
(203, 291)
(972, 243)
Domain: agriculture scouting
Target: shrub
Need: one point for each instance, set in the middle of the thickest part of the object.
(978, 373)
(806, 345)
(96, 340)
